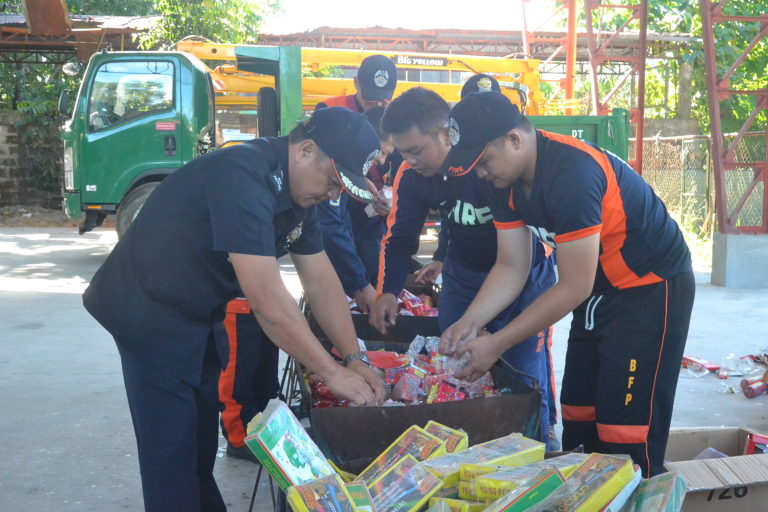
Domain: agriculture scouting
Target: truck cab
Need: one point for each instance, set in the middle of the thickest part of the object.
(139, 116)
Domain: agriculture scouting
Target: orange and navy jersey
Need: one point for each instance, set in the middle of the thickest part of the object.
(349, 101)
(579, 190)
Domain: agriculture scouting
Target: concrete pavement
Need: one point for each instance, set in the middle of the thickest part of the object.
(65, 431)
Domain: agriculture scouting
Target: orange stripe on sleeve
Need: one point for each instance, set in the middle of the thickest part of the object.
(614, 220)
(578, 412)
(622, 434)
(509, 225)
(579, 233)
(391, 218)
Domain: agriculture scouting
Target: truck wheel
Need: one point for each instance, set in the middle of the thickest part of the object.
(131, 205)
(267, 113)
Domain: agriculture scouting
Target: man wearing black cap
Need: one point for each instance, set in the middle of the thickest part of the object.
(374, 85)
(624, 270)
(418, 121)
(211, 229)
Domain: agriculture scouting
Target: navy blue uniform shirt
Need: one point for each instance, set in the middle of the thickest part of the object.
(172, 265)
(466, 218)
(579, 190)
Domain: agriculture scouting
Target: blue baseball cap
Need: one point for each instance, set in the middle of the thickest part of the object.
(480, 83)
(476, 120)
(352, 144)
(377, 78)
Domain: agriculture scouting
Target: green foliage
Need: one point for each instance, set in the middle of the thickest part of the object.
(223, 21)
(684, 16)
(324, 72)
(39, 146)
(111, 7)
(11, 7)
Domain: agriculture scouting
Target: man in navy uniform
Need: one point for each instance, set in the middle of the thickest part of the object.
(374, 86)
(624, 271)
(418, 122)
(210, 231)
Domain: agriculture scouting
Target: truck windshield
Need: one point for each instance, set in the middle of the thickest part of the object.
(126, 90)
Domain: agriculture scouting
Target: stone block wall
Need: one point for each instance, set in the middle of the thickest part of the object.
(11, 179)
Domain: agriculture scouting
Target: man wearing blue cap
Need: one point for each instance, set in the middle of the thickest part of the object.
(211, 229)
(624, 270)
(418, 121)
(374, 85)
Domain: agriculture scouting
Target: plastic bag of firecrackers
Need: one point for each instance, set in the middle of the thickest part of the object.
(420, 376)
(408, 305)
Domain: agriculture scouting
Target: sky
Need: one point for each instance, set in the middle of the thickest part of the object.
(303, 15)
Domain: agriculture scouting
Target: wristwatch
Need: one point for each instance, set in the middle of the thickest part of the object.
(358, 356)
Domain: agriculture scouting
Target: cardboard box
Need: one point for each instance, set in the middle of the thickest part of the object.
(738, 483)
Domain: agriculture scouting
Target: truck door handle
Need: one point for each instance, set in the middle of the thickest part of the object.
(170, 145)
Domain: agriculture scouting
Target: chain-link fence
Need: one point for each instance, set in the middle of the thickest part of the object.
(680, 170)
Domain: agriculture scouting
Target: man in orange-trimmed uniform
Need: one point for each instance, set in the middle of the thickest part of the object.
(624, 270)
(374, 86)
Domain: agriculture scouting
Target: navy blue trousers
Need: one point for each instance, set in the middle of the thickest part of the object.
(621, 370)
(532, 356)
(176, 426)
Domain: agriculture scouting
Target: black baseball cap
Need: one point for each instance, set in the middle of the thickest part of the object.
(377, 78)
(352, 144)
(480, 83)
(476, 120)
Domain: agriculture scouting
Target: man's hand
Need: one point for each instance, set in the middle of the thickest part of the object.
(484, 351)
(384, 312)
(462, 330)
(364, 298)
(372, 378)
(350, 385)
(429, 272)
(380, 204)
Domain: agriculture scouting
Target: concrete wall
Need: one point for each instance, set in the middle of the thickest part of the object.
(11, 189)
(739, 261)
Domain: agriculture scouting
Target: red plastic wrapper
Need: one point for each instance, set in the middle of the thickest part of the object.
(695, 360)
(392, 375)
(447, 392)
(322, 391)
(407, 388)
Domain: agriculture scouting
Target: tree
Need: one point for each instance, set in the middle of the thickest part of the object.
(684, 17)
(224, 21)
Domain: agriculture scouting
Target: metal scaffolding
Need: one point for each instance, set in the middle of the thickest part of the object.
(740, 176)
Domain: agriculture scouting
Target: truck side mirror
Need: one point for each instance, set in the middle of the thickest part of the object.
(64, 103)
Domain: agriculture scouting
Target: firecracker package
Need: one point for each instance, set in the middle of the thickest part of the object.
(511, 450)
(327, 494)
(346, 476)
(457, 505)
(469, 472)
(284, 448)
(361, 498)
(493, 484)
(447, 492)
(620, 500)
(662, 493)
(407, 486)
(415, 442)
(466, 490)
(529, 492)
(592, 486)
(455, 440)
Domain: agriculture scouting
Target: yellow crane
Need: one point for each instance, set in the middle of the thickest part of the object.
(519, 78)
